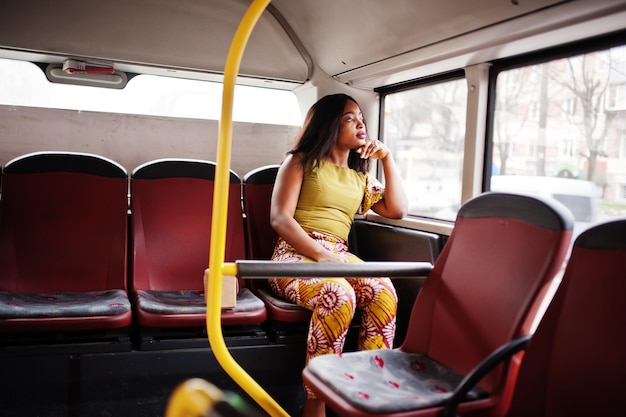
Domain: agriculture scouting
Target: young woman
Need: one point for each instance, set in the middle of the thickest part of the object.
(320, 186)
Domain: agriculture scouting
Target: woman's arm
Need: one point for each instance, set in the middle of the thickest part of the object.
(395, 203)
(283, 207)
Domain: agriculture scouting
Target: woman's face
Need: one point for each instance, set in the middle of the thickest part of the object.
(352, 131)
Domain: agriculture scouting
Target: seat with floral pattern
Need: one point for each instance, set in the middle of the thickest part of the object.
(485, 287)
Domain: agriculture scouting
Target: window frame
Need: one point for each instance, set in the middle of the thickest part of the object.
(540, 56)
(384, 91)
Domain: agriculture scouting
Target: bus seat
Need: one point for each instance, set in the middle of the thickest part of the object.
(503, 253)
(574, 363)
(171, 214)
(257, 193)
(63, 244)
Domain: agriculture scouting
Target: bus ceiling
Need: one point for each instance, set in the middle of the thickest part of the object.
(366, 44)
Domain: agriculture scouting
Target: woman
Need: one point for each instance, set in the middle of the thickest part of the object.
(322, 183)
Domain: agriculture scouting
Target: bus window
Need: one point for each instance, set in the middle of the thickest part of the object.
(425, 129)
(24, 84)
(560, 127)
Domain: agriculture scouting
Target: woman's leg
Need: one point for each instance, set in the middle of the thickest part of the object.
(333, 312)
(332, 301)
(377, 300)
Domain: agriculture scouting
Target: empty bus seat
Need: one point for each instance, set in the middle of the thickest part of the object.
(171, 212)
(504, 251)
(261, 238)
(63, 243)
(573, 364)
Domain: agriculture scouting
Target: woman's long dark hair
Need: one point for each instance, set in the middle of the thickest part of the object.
(319, 134)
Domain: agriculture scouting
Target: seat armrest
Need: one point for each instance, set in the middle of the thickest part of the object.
(500, 355)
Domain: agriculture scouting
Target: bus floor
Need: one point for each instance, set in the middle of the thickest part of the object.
(138, 383)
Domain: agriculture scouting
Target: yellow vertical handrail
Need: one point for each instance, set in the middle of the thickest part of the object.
(220, 214)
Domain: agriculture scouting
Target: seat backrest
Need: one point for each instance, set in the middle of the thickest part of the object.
(261, 238)
(172, 206)
(257, 193)
(574, 364)
(502, 252)
(63, 223)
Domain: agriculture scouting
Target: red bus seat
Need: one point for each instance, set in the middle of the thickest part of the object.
(63, 244)
(574, 363)
(171, 210)
(503, 252)
(257, 193)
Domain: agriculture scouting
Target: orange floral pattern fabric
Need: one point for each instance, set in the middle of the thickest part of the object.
(374, 192)
(334, 301)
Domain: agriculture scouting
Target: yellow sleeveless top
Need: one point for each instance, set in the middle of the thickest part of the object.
(329, 198)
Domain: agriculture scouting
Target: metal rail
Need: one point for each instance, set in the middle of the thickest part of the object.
(271, 269)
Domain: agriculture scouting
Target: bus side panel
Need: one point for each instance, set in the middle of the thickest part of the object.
(379, 242)
(133, 139)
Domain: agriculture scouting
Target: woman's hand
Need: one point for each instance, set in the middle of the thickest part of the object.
(328, 256)
(373, 149)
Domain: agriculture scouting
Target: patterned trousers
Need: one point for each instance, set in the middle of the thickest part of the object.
(334, 301)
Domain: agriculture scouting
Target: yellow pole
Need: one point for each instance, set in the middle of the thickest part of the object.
(220, 212)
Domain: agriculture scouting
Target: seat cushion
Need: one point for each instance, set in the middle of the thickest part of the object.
(63, 304)
(387, 381)
(191, 302)
(278, 302)
(282, 310)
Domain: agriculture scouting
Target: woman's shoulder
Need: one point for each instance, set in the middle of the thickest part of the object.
(293, 159)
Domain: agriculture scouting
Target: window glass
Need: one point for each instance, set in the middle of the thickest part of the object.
(25, 84)
(425, 129)
(559, 130)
